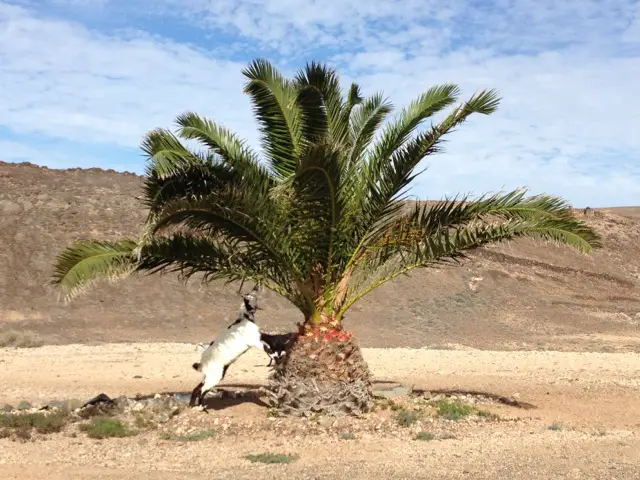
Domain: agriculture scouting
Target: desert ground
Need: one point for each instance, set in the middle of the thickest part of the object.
(582, 418)
(539, 344)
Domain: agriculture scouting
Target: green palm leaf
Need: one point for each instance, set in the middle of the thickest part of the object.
(273, 99)
(88, 261)
(325, 221)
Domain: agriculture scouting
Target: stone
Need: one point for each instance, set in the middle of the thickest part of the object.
(102, 398)
(391, 392)
(73, 404)
(24, 405)
(182, 397)
(326, 422)
(123, 402)
(164, 418)
(138, 407)
(7, 408)
(55, 404)
(9, 208)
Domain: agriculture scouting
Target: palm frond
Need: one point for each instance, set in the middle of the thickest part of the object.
(429, 103)
(313, 114)
(385, 180)
(232, 215)
(318, 206)
(341, 135)
(415, 248)
(166, 154)
(354, 97)
(216, 259)
(366, 119)
(273, 99)
(223, 143)
(86, 262)
(326, 83)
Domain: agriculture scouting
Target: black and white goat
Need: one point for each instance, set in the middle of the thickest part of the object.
(277, 345)
(228, 346)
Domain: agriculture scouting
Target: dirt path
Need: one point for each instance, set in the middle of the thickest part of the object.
(595, 396)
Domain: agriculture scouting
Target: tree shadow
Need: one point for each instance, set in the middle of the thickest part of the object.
(221, 398)
(512, 402)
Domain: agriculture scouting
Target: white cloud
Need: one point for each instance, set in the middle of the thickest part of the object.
(62, 80)
(567, 125)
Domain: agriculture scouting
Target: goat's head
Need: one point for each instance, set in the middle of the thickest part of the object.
(250, 301)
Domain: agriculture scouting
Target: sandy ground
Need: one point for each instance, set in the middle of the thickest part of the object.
(595, 396)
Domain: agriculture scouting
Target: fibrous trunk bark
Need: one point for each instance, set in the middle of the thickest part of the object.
(323, 373)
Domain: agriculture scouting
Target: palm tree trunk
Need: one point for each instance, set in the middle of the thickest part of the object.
(323, 373)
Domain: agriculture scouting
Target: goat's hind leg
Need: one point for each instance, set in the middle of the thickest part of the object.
(212, 380)
(196, 395)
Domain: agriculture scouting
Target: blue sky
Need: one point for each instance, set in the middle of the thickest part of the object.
(83, 80)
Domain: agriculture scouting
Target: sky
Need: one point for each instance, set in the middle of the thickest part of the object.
(81, 81)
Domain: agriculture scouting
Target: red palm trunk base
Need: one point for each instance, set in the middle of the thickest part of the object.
(324, 373)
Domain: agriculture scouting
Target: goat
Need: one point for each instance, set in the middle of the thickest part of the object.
(227, 347)
(277, 345)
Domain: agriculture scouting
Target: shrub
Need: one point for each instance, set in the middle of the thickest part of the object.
(194, 437)
(271, 458)
(453, 410)
(406, 418)
(425, 436)
(40, 422)
(105, 427)
(20, 339)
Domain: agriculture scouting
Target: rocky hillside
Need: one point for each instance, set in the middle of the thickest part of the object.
(521, 295)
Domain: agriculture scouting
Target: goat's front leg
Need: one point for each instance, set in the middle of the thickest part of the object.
(265, 348)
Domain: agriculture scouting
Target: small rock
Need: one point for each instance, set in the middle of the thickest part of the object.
(326, 422)
(9, 208)
(71, 404)
(137, 376)
(24, 405)
(123, 402)
(164, 418)
(138, 407)
(55, 404)
(182, 397)
(157, 396)
(7, 408)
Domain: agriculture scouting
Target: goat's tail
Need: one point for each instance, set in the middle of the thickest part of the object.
(196, 366)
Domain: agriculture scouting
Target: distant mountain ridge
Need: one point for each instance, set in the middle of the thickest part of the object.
(524, 295)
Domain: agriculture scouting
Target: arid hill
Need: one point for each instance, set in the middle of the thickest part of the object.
(518, 296)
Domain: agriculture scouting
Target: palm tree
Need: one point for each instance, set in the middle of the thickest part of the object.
(321, 218)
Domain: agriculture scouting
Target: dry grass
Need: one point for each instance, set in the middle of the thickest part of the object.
(20, 339)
